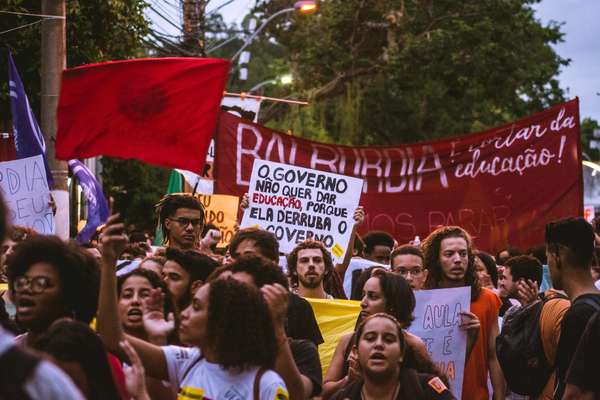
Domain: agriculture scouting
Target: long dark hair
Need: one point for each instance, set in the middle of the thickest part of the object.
(431, 250)
(240, 329)
(70, 340)
(399, 298)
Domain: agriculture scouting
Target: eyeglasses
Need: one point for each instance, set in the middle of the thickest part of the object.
(37, 285)
(413, 271)
(183, 222)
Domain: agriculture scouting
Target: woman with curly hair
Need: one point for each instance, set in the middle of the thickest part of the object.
(228, 324)
(382, 292)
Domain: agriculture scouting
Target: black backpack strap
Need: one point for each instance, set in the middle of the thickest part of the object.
(595, 304)
(256, 386)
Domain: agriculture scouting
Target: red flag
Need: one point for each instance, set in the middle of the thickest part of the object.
(160, 111)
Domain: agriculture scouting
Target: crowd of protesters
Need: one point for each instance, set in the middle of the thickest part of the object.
(121, 319)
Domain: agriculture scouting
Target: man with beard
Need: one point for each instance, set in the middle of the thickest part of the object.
(449, 258)
(309, 264)
(181, 219)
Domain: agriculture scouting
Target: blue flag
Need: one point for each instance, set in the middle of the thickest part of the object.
(29, 140)
(97, 204)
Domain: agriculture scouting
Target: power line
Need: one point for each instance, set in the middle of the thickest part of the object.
(21, 27)
(33, 15)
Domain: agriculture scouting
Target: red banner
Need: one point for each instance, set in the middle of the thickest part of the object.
(502, 185)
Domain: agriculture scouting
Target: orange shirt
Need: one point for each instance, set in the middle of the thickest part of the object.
(550, 319)
(475, 379)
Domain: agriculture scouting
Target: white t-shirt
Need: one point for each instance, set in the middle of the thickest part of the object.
(208, 381)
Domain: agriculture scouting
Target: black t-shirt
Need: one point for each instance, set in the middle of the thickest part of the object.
(301, 321)
(583, 372)
(571, 330)
(307, 360)
(413, 386)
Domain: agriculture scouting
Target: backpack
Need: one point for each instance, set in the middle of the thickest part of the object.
(520, 350)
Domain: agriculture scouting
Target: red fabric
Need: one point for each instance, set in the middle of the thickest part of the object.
(486, 307)
(160, 111)
(411, 189)
(118, 376)
(8, 151)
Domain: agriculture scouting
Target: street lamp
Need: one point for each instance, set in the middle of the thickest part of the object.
(303, 7)
(284, 80)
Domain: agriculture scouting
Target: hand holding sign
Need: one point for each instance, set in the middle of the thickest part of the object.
(297, 204)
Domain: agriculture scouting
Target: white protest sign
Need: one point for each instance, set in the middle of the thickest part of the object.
(26, 193)
(299, 203)
(437, 317)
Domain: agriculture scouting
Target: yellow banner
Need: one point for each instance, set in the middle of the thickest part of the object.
(335, 318)
(221, 211)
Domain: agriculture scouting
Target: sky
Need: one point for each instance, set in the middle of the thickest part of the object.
(581, 45)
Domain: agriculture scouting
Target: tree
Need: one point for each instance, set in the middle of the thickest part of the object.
(393, 71)
(97, 30)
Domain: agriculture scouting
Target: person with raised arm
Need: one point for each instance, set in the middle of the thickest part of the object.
(228, 324)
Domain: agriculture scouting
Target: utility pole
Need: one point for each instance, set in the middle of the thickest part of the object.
(194, 24)
(53, 63)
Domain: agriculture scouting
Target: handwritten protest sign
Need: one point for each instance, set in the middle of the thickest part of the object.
(437, 317)
(300, 203)
(221, 211)
(495, 183)
(26, 193)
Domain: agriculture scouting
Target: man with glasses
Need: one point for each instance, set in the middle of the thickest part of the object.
(407, 261)
(181, 218)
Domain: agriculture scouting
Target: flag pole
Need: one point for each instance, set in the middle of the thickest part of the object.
(245, 95)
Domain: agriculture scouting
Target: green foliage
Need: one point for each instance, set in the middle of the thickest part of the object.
(135, 187)
(97, 30)
(588, 126)
(393, 71)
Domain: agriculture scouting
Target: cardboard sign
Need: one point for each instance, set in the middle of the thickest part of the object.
(437, 317)
(297, 204)
(26, 193)
(221, 211)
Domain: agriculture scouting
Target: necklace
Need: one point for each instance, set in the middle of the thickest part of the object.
(394, 394)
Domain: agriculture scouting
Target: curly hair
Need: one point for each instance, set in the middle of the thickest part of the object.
(266, 242)
(74, 341)
(292, 259)
(168, 206)
(239, 328)
(78, 270)
(377, 238)
(431, 250)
